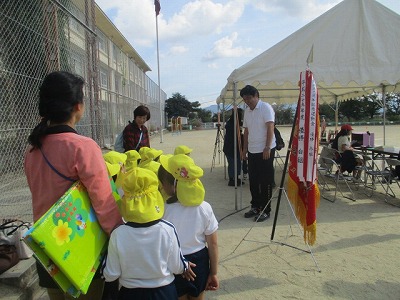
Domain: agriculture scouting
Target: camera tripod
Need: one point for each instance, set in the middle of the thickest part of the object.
(217, 147)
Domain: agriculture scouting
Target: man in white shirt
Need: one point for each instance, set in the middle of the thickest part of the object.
(259, 149)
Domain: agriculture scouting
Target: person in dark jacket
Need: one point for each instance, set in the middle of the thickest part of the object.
(229, 147)
(135, 134)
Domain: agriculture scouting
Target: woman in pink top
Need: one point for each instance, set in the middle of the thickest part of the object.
(72, 157)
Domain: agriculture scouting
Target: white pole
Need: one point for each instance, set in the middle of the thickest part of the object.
(159, 84)
(234, 147)
(384, 112)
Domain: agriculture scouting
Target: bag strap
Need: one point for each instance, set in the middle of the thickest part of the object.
(10, 224)
(15, 228)
(55, 170)
(140, 139)
(6, 225)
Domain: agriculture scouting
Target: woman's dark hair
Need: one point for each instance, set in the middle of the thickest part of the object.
(58, 94)
(335, 143)
(140, 111)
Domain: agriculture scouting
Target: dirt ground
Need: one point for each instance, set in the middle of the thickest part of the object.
(356, 255)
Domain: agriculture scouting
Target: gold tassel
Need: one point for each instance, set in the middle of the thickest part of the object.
(310, 231)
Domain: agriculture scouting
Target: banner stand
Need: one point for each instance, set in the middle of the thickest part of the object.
(300, 229)
(282, 190)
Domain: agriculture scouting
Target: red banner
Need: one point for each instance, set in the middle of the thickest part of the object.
(302, 188)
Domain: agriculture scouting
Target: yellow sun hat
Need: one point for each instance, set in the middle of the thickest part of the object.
(143, 150)
(165, 158)
(113, 169)
(182, 149)
(142, 202)
(132, 159)
(152, 166)
(154, 153)
(189, 189)
(114, 157)
(149, 155)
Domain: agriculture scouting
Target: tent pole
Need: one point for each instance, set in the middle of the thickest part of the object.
(384, 112)
(336, 114)
(235, 154)
(223, 122)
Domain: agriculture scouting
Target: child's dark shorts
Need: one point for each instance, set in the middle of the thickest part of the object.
(166, 292)
(202, 270)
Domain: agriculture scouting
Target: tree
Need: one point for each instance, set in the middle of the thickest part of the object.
(226, 113)
(351, 109)
(195, 105)
(370, 105)
(328, 111)
(393, 104)
(284, 114)
(178, 105)
(204, 115)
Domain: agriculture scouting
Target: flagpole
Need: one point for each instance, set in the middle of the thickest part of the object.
(298, 115)
(158, 75)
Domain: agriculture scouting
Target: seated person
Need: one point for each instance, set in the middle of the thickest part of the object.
(348, 160)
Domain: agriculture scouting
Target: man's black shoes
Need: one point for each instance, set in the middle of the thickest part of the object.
(262, 217)
(257, 214)
(252, 213)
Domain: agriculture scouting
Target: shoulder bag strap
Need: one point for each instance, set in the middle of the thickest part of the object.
(140, 139)
(55, 170)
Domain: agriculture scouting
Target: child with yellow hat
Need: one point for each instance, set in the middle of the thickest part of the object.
(115, 158)
(194, 220)
(182, 149)
(132, 159)
(144, 253)
(115, 163)
(149, 160)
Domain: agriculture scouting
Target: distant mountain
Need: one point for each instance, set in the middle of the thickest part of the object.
(212, 108)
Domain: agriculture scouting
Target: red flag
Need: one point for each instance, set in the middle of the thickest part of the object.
(157, 6)
(303, 190)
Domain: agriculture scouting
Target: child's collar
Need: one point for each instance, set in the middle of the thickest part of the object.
(172, 199)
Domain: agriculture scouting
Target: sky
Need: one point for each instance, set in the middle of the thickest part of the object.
(201, 42)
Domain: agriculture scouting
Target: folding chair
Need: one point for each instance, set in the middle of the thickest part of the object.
(375, 176)
(332, 170)
(392, 163)
(320, 178)
(323, 168)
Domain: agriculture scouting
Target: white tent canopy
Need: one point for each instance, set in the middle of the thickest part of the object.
(356, 51)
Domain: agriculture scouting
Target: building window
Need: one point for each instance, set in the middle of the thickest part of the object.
(116, 56)
(103, 78)
(76, 27)
(118, 83)
(102, 41)
(77, 64)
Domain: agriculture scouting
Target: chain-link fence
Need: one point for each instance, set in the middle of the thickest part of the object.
(40, 36)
